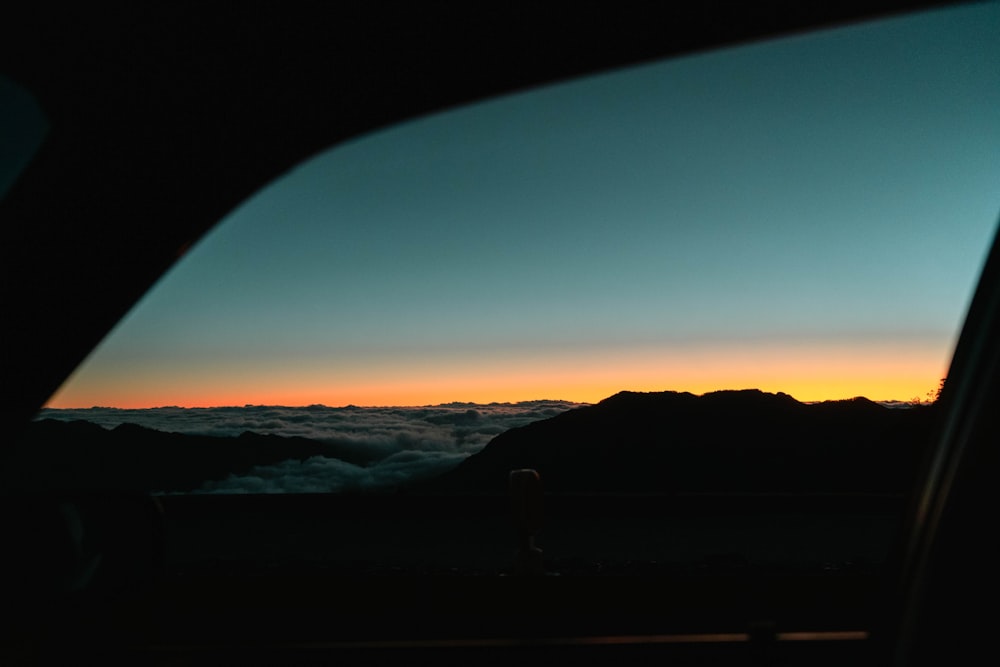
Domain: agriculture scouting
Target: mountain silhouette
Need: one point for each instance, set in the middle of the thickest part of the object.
(744, 441)
(667, 442)
(82, 456)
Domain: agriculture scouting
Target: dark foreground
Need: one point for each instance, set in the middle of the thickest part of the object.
(235, 579)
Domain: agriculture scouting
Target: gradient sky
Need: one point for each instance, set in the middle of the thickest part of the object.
(806, 215)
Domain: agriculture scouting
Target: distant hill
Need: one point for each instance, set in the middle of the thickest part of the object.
(727, 441)
(81, 456)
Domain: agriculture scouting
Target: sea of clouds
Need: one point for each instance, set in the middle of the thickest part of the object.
(388, 445)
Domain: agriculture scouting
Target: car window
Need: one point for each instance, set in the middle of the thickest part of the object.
(804, 217)
(22, 129)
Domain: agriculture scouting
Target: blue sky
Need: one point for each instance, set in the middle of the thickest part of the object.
(805, 215)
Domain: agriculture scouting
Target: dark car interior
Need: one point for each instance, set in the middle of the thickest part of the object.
(159, 121)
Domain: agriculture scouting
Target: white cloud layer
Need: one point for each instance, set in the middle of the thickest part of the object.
(400, 443)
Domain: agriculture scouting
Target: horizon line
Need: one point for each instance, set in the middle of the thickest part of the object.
(916, 401)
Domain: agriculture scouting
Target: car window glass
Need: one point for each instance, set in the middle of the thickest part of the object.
(22, 130)
(805, 216)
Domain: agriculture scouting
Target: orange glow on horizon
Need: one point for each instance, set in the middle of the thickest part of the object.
(806, 372)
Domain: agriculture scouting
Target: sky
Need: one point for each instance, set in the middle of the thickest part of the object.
(806, 215)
